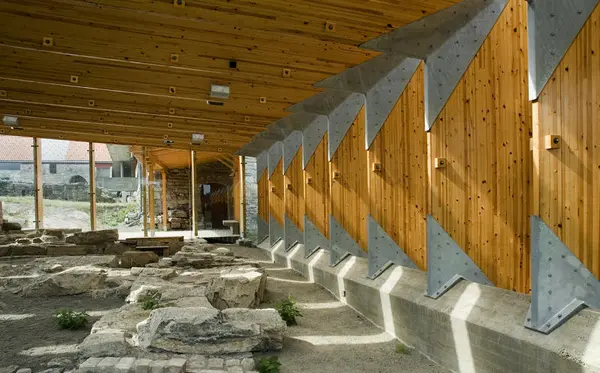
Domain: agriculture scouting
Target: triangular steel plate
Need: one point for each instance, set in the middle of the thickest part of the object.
(313, 238)
(311, 138)
(291, 146)
(275, 155)
(263, 228)
(275, 231)
(292, 234)
(383, 250)
(447, 263)
(262, 164)
(448, 41)
(552, 27)
(560, 284)
(342, 244)
(341, 119)
(382, 80)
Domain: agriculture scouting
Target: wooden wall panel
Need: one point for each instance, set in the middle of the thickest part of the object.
(398, 194)
(263, 197)
(482, 197)
(568, 179)
(276, 206)
(294, 192)
(316, 195)
(349, 194)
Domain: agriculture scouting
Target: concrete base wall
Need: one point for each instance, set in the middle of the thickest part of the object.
(472, 328)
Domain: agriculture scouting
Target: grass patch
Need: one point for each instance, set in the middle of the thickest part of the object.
(71, 320)
(269, 365)
(401, 348)
(150, 301)
(289, 311)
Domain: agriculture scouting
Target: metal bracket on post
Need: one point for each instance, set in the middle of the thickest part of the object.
(312, 136)
(262, 164)
(341, 109)
(382, 80)
(560, 284)
(383, 251)
(448, 41)
(275, 231)
(447, 263)
(292, 234)
(552, 27)
(313, 238)
(342, 245)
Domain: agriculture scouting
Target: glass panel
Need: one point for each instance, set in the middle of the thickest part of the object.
(16, 180)
(66, 190)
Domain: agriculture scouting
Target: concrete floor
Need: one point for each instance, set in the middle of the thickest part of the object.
(331, 337)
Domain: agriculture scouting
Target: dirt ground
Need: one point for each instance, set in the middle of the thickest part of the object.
(331, 337)
(38, 328)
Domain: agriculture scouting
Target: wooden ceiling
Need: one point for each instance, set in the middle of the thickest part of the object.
(138, 72)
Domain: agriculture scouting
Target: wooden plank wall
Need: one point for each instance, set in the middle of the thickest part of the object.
(263, 196)
(398, 194)
(276, 206)
(349, 194)
(294, 191)
(567, 180)
(316, 195)
(482, 197)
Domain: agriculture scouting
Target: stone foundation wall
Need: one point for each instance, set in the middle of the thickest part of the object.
(178, 198)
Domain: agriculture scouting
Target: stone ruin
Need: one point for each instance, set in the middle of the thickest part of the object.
(205, 317)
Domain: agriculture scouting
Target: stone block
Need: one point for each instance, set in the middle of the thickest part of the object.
(125, 365)
(137, 259)
(18, 250)
(158, 366)
(232, 362)
(215, 363)
(89, 365)
(163, 273)
(102, 237)
(175, 365)
(72, 281)
(116, 248)
(9, 369)
(24, 241)
(5, 250)
(196, 362)
(237, 288)
(72, 250)
(104, 343)
(248, 364)
(107, 365)
(142, 366)
(24, 370)
(236, 369)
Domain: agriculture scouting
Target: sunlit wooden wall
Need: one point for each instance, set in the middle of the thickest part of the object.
(294, 191)
(276, 202)
(316, 194)
(263, 197)
(398, 194)
(482, 197)
(567, 182)
(498, 171)
(349, 193)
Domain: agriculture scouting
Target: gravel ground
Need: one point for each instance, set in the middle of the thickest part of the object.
(38, 329)
(320, 342)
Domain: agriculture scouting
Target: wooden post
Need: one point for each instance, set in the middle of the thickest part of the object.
(193, 194)
(242, 176)
(165, 211)
(92, 187)
(37, 177)
(151, 199)
(144, 185)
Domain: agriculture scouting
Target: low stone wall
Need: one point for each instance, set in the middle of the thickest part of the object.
(472, 328)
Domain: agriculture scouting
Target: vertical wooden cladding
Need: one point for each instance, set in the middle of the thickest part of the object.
(349, 193)
(398, 194)
(294, 191)
(237, 190)
(568, 178)
(263, 197)
(481, 197)
(276, 195)
(316, 194)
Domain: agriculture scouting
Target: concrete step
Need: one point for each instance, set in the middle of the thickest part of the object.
(132, 365)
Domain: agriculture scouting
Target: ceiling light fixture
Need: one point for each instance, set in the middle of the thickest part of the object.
(10, 121)
(197, 138)
(219, 91)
